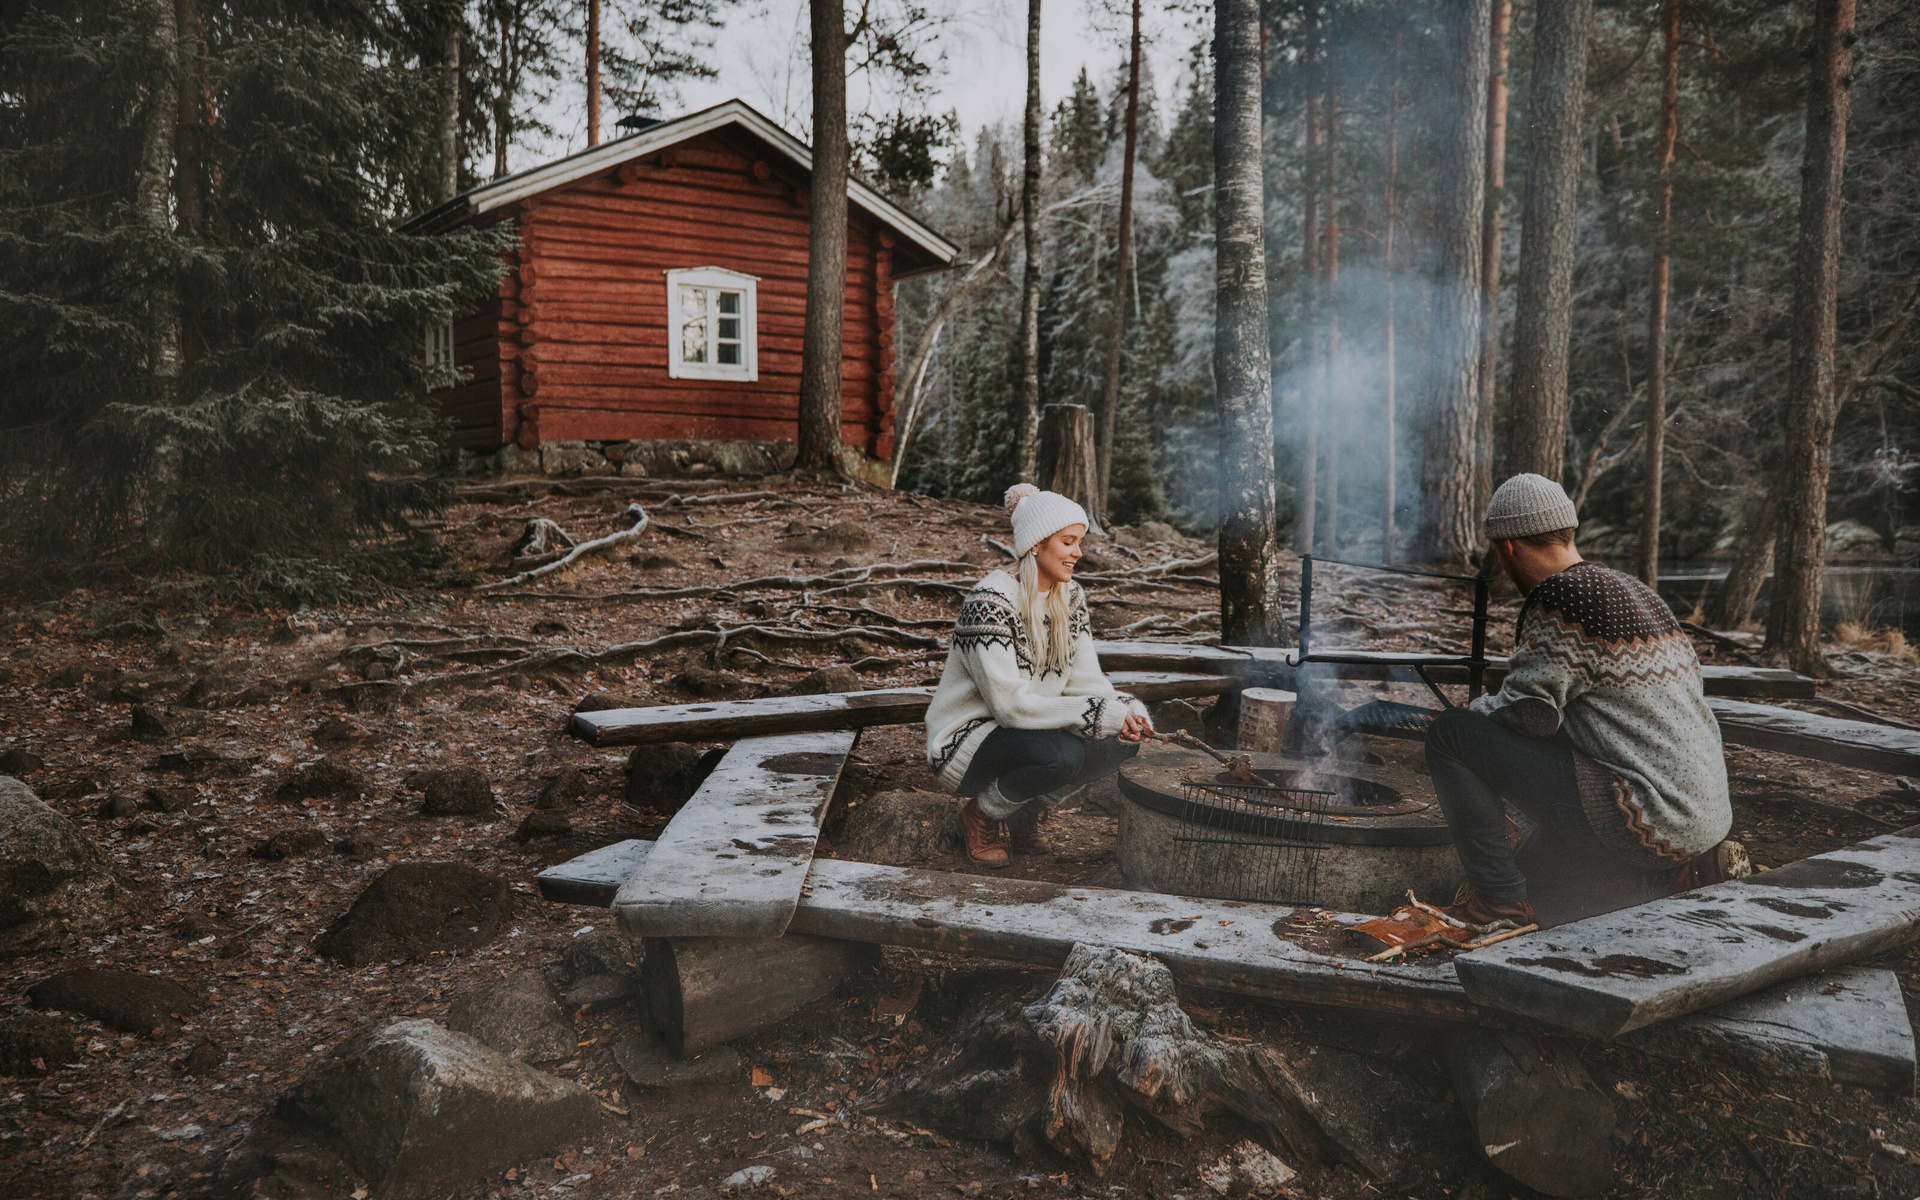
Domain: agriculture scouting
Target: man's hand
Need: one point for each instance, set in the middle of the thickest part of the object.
(1135, 729)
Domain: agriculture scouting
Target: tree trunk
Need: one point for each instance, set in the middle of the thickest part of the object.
(1307, 473)
(1067, 437)
(1543, 309)
(1330, 347)
(1251, 612)
(1656, 421)
(1793, 616)
(1449, 523)
(447, 150)
(1030, 280)
(153, 190)
(593, 72)
(1490, 251)
(503, 97)
(191, 131)
(820, 353)
(1110, 398)
(1732, 606)
(1390, 368)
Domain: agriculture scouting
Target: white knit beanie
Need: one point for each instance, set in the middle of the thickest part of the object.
(1038, 515)
(1526, 505)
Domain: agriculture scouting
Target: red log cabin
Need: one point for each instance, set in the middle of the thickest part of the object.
(659, 292)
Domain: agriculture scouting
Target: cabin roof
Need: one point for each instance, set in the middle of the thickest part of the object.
(561, 171)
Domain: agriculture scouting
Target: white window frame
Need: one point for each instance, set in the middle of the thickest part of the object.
(439, 344)
(747, 370)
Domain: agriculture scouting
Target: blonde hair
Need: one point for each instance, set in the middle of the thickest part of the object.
(1048, 618)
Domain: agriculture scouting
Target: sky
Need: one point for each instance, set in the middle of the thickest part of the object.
(761, 59)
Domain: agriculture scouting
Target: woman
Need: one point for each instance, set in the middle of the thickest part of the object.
(1023, 712)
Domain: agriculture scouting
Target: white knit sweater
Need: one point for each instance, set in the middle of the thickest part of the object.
(989, 680)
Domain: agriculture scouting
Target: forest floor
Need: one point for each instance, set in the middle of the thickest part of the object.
(253, 697)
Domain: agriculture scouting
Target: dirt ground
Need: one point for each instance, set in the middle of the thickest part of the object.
(254, 696)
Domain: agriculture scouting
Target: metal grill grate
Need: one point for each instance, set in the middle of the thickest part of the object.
(1254, 841)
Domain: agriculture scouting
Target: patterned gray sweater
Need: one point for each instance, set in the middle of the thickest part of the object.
(1599, 659)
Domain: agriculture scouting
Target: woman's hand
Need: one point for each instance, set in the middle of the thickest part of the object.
(1135, 729)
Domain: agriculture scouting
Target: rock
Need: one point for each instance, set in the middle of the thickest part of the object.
(415, 908)
(171, 799)
(121, 803)
(899, 829)
(34, 1044)
(19, 761)
(143, 825)
(453, 792)
(376, 670)
(518, 1017)
(601, 967)
(550, 628)
(372, 696)
(1249, 1169)
(197, 764)
(829, 679)
(572, 458)
(409, 1111)
(328, 778)
(604, 702)
(842, 537)
(299, 842)
(53, 881)
(130, 1001)
(1854, 538)
(663, 775)
(543, 822)
(194, 926)
(602, 991)
(564, 789)
(747, 1177)
(156, 723)
(335, 731)
(656, 562)
(650, 1065)
(707, 684)
(517, 460)
(205, 1057)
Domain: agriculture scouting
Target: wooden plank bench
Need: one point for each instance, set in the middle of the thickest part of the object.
(722, 720)
(1794, 1029)
(732, 861)
(1860, 744)
(1623, 970)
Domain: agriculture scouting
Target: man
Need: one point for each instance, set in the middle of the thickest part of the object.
(1599, 736)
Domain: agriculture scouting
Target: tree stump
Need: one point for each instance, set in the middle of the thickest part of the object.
(705, 991)
(1264, 713)
(1109, 1036)
(1068, 464)
(1536, 1113)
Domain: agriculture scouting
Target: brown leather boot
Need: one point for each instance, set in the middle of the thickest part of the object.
(1726, 861)
(983, 837)
(1469, 906)
(1024, 828)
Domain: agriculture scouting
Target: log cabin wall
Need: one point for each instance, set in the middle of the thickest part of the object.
(580, 324)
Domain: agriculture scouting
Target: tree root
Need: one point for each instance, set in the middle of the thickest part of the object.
(635, 513)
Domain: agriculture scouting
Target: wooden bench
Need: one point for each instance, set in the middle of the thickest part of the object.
(731, 862)
(1794, 1029)
(1623, 970)
(1860, 744)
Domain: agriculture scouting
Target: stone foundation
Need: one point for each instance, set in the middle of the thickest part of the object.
(680, 459)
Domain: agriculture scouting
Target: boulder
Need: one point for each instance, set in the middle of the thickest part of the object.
(327, 778)
(706, 684)
(572, 458)
(19, 761)
(415, 908)
(543, 822)
(120, 803)
(898, 829)
(335, 731)
(565, 788)
(601, 967)
(204, 1058)
(299, 842)
(1853, 538)
(409, 1111)
(604, 702)
(662, 776)
(827, 680)
(453, 792)
(33, 1044)
(53, 881)
(197, 764)
(841, 537)
(160, 723)
(130, 1001)
(171, 798)
(518, 1017)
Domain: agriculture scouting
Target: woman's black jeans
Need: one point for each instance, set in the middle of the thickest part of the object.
(1032, 762)
(1476, 762)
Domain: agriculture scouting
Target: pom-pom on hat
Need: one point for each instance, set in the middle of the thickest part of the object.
(1038, 515)
(1526, 505)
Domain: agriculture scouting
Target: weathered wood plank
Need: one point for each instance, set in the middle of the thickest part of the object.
(1860, 744)
(1849, 1025)
(732, 861)
(1609, 974)
(1857, 1033)
(726, 719)
(705, 991)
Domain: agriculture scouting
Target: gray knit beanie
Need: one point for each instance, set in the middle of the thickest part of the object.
(1526, 505)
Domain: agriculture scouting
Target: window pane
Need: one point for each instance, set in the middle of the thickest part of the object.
(729, 302)
(728, 353)
(729, 329)
(693, 324)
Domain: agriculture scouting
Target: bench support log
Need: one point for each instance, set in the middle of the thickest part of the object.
(1536, 1113)
(705, 991)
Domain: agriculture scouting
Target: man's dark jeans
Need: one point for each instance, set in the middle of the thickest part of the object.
(1476, 762)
